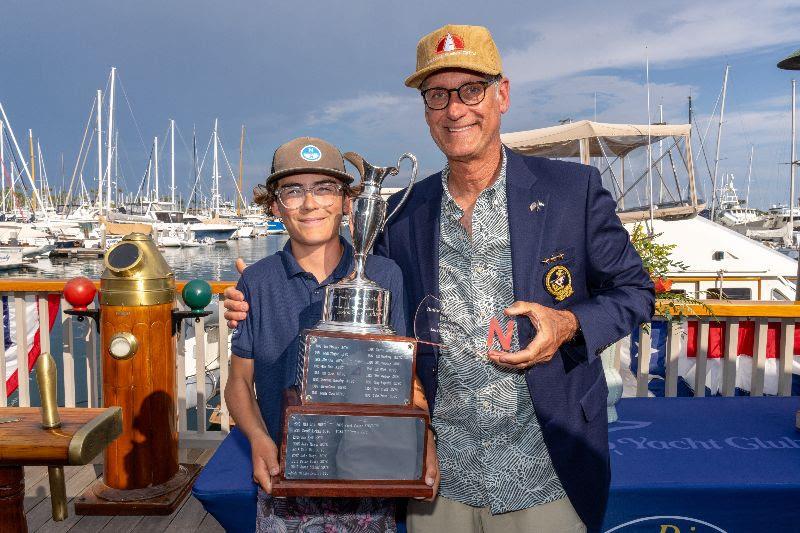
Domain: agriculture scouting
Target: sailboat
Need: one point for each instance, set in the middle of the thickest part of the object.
(214, 230)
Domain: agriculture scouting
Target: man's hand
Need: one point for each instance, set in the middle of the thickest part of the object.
(553, 328)
(432, 475)
(234, 300)
(265, 461)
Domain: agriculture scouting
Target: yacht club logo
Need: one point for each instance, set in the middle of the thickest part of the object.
(558, 282)
(450, 43)
(667, 524)
(310, 153)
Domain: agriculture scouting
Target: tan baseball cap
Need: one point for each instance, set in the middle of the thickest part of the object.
(454, 46)
(308, 155)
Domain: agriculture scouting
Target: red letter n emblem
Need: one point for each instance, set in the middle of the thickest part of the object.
(503, 337)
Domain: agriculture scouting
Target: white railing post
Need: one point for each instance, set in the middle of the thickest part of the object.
(701, 359)
(643, 368)
(44, 322)
(222, 352)
(68, 349)
(200, 348)
(731, 357)
(786, 357)
(3, 391)
(22, 349)
(92, 368)
(759, 358)
(673, 350)
(180, 381)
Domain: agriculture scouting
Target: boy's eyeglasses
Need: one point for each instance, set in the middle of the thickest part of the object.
(293, 196)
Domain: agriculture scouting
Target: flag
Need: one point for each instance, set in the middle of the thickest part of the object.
(32, 334)
(688, 341)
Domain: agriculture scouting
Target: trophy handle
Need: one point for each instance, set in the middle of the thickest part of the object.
(414, 167)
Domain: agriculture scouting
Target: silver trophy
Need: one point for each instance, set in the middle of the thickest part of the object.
(357, 304)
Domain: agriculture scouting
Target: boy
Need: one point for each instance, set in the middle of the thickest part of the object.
(309, 188)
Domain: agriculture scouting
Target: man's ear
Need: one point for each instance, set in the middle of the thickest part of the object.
(347, 205)
(273, 209)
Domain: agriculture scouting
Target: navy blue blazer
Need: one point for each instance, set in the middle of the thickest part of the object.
(612, 295)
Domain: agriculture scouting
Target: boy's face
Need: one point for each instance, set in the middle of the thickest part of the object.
(312, 222)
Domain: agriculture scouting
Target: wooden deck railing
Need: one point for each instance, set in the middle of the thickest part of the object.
(727, 315)
(23, 292)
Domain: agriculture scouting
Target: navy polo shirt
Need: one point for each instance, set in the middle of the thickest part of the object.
(285, 300)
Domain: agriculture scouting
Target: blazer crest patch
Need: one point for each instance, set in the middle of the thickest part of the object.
(558, 282)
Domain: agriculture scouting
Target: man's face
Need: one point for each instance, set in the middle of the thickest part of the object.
(461, 131)
(312, 222)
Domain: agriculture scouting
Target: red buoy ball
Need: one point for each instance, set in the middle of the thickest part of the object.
(80, 292)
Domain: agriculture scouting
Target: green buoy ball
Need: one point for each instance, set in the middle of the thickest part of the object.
(197, 295)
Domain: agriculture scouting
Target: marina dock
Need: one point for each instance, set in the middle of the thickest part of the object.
(190, 516)
(77, 253)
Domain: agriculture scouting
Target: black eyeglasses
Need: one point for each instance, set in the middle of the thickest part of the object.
(470, 93)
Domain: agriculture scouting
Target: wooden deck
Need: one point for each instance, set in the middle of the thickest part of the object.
(189, 517)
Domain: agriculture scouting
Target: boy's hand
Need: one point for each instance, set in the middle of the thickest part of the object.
(265, 461)
(234, 301)
(432, 474)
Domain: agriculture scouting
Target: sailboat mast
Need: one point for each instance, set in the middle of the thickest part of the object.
(110, 138)
(649, 149)
(660, 157)
(3, 165)
(33, 168)
(215, 182)
(155, 158)
(42, 189)
(792, 166)
(100, 149)
(13, 137)
(719, 138)
(241, 172)
(172, 159)
(749, 174)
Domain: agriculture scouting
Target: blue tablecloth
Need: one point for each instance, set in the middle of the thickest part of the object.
(225, 486)
(679, 465)
(721, 464)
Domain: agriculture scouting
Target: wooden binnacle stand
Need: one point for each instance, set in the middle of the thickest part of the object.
(352, 429)
(138, 324)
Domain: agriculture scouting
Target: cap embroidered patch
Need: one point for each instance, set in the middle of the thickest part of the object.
(311, 153)
(450, 43)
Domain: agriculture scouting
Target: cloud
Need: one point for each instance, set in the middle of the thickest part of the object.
(618, 99)
(377, 105)
(616, 37)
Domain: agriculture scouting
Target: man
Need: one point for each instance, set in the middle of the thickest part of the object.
(522, 436)
(309, 188)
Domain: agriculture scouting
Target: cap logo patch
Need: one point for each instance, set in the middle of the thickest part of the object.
(310, 153)
(450, 43)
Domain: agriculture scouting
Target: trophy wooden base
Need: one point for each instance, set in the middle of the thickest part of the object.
(282, 487)
(91, 501)
(353, 452)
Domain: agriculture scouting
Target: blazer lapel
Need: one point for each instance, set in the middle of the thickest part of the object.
(426, 238)
(527, 218)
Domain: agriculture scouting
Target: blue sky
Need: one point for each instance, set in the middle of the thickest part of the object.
(335, 69)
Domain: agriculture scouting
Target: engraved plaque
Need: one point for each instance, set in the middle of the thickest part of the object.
(358, 370)
(353, 447)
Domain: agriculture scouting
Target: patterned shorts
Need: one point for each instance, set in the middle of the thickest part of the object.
(324, 515)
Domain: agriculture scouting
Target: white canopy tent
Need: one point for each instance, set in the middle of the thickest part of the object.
(612, 143)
